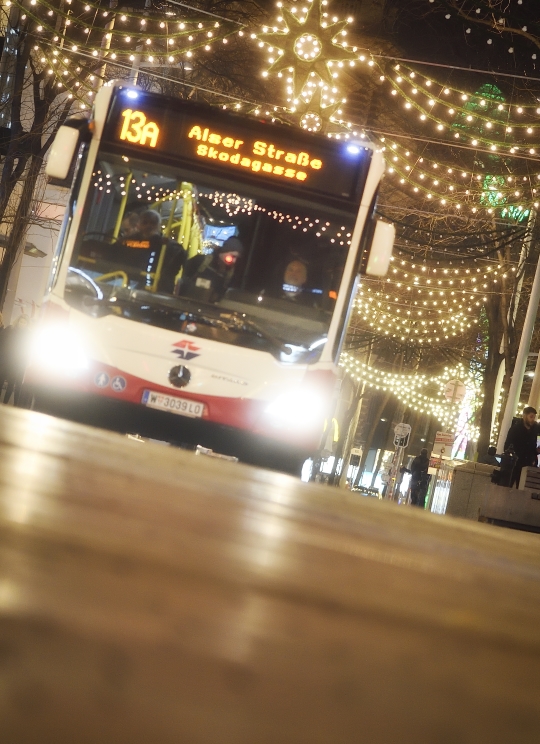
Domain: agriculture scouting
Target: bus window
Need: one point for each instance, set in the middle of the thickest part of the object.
(235, 255)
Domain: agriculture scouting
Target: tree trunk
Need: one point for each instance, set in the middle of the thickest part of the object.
(486, 411)
(495, 338)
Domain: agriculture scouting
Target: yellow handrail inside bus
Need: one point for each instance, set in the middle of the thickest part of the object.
(170, 221)
(167, 234)
(157, 274)
(119, 219)
(114, 275)
(184, 230)
(187, 229)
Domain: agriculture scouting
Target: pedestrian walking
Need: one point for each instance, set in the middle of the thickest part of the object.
(522, 439)
(419, 478)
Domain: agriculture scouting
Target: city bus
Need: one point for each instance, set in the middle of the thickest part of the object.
(204, 274)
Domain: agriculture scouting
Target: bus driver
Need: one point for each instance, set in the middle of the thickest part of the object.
(142, 250)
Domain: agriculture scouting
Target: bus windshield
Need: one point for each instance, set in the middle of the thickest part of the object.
(162, 246)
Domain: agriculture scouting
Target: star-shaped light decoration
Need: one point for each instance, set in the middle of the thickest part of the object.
(306, 47)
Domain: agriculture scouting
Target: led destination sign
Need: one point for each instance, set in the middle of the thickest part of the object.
(230, 150)
(222, 142)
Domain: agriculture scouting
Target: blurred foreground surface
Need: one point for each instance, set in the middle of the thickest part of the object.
(151, 596)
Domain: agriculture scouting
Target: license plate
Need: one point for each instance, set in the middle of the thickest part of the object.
(173, 404)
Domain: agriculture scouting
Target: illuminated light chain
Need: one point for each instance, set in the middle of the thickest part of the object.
(486, 197)
(425, 85)
(412, 321)
(338, 235)
(457, 186)
(480, 138)
(71, 44)
(307, 49)
(444, 292)
(156, 195)
(451, 278)
(408, 388)
(426, 305)
(232, 203)
(149, 29)
(482, 198)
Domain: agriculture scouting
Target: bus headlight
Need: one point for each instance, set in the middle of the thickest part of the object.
(296, 409)
(58, 349)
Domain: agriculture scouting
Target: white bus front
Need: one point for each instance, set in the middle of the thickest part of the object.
(203, 279)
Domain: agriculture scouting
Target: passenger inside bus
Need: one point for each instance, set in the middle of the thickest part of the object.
(207, 277)
(129, 225)
(142, 250)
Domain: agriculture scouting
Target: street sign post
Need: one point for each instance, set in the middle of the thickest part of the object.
(455, 391)
(402, 432)
(443, 444)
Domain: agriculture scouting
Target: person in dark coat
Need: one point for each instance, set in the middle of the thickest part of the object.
(419, 478)
(141, 250)
(522, 437)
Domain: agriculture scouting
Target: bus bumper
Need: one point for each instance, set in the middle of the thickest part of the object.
(131, 418)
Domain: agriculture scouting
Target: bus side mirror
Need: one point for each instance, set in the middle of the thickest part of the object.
(64, 149)
(381, 249)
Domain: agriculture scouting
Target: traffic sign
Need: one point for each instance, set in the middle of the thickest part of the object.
(401, 430)
(455, 391)
(402, 433)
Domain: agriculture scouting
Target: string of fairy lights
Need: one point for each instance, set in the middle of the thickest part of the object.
(486, 111)
(482, 121)
(428, 301)
(232, 203)
(422, 393)
(308, 48)
(445, 278)
(424, 321)
(76, 39)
